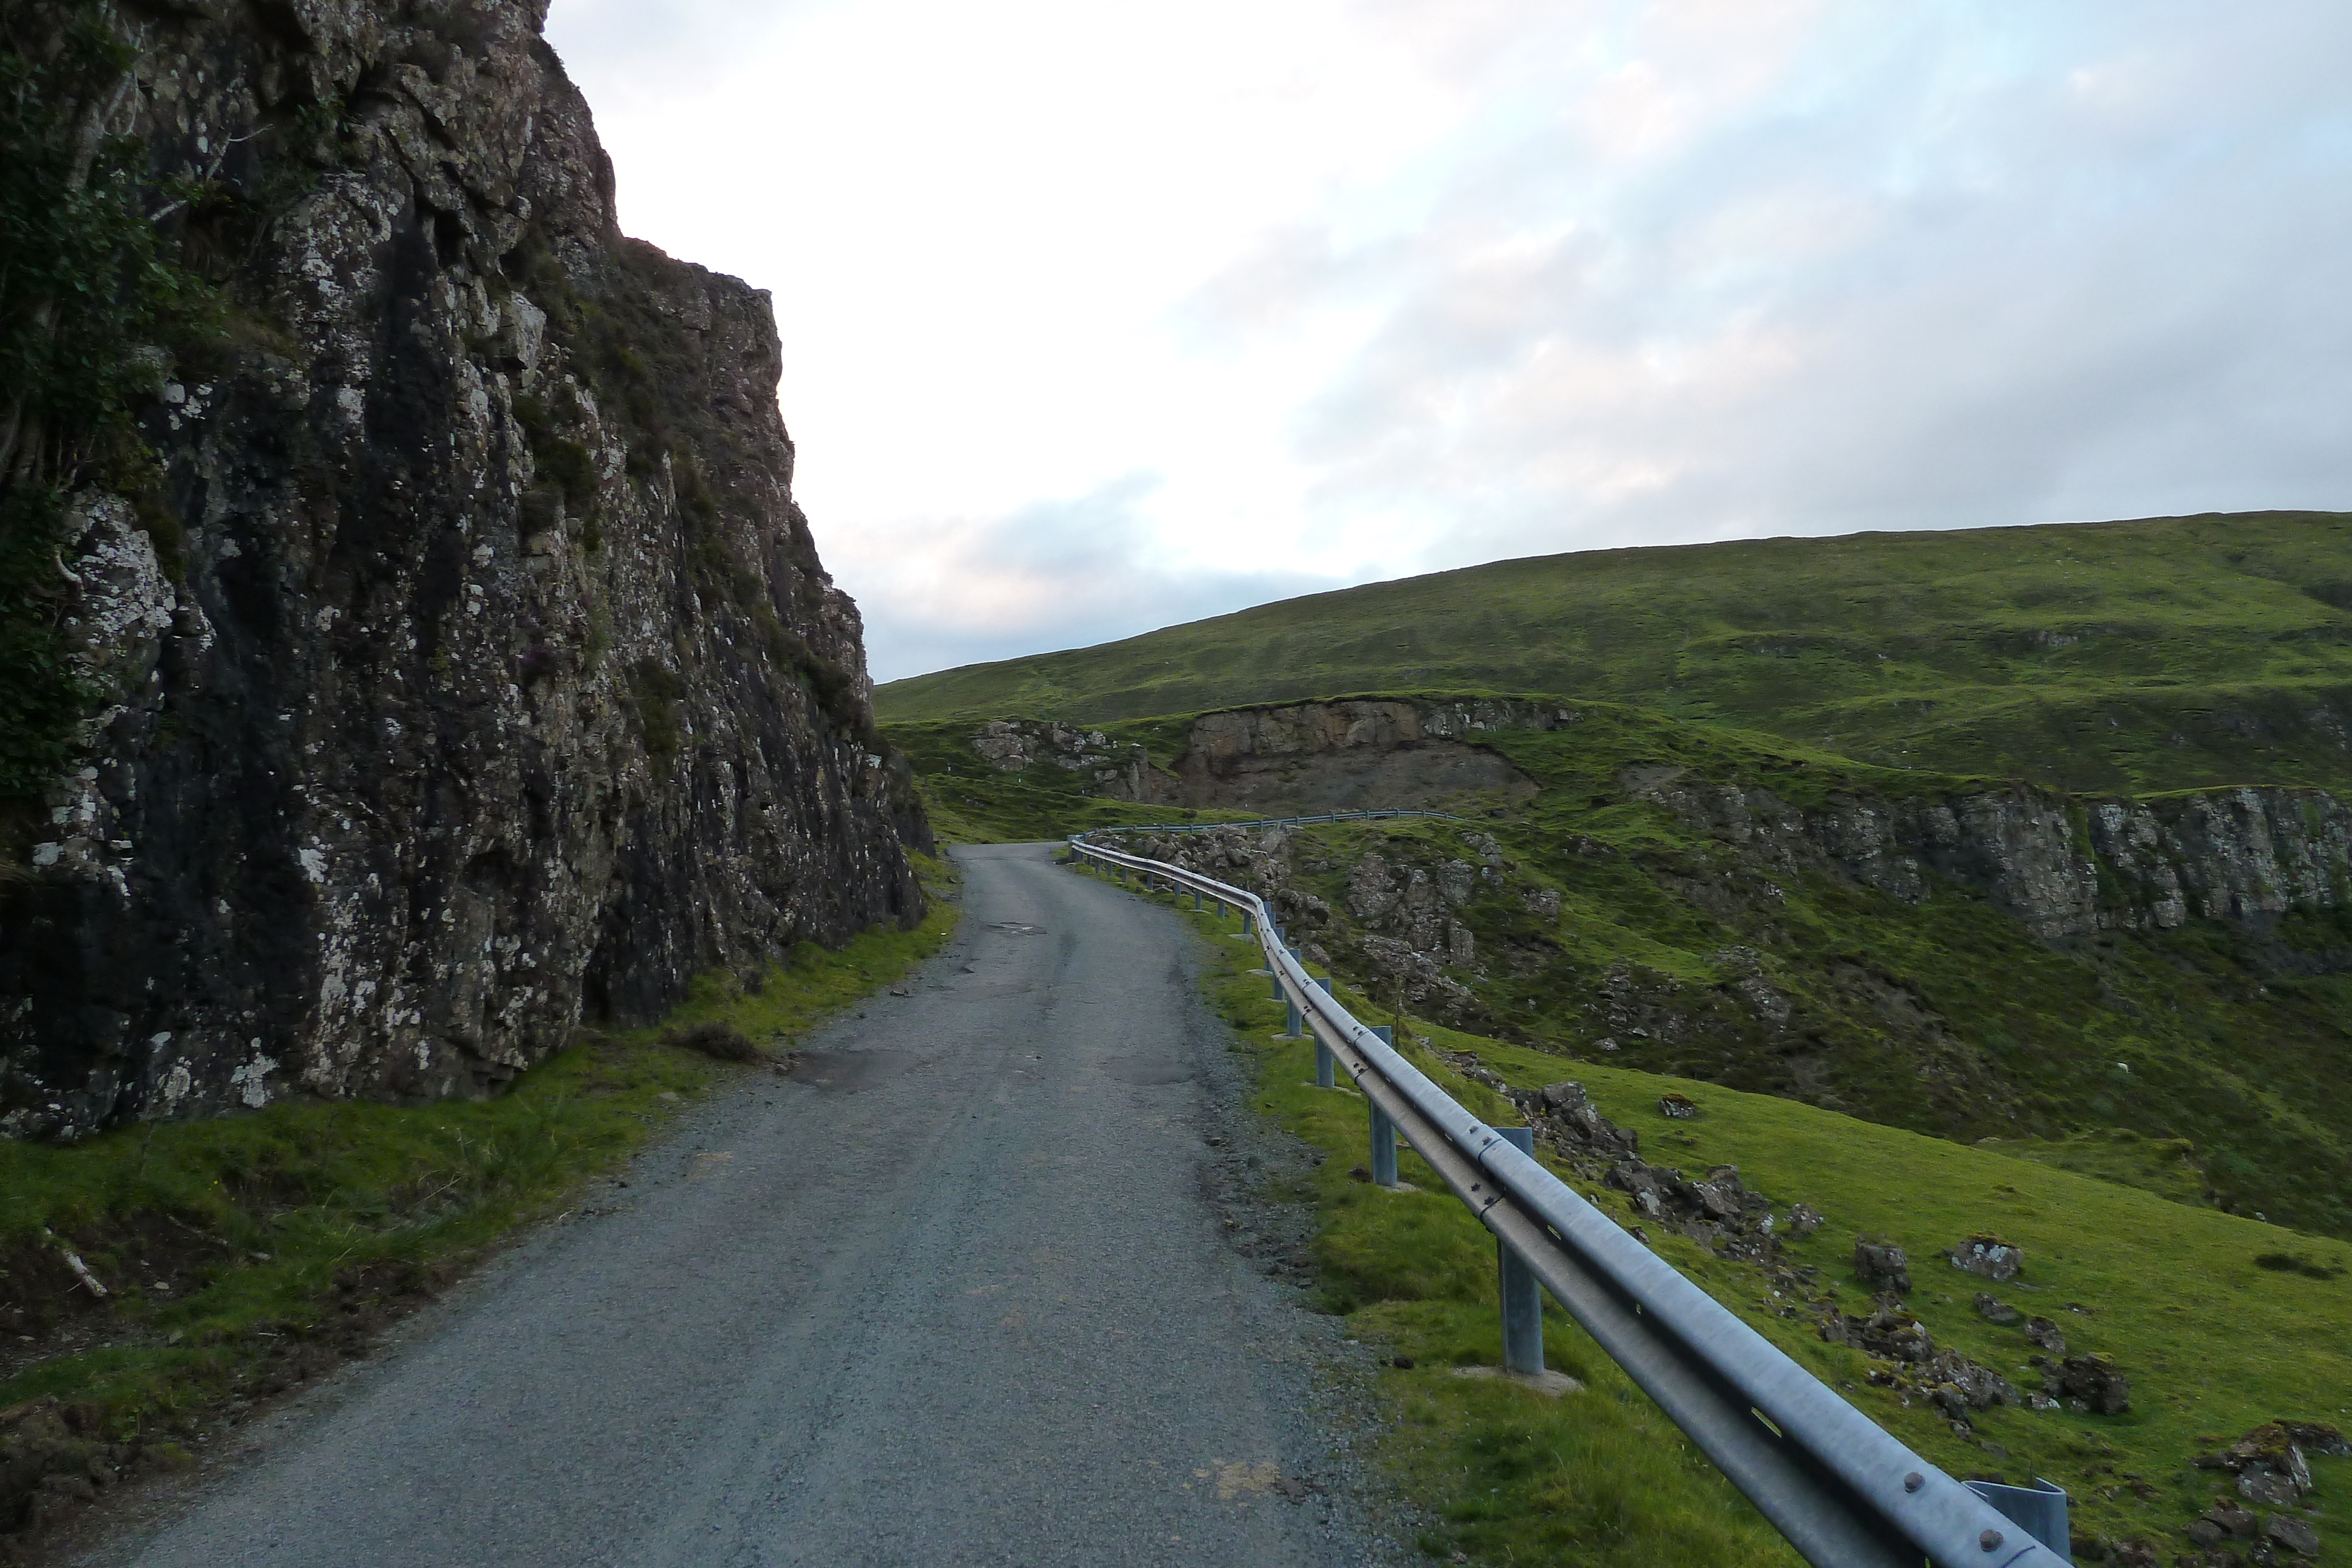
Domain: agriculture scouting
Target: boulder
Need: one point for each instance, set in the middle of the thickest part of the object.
(2268, 1462)
(2276, 1489)
(1988, 1258)
(1564, 1096)
(1804, 1219)
(1678, 1105)
(2044, 1333)
(1889, 1331)
(1975, 1385)
(2228, 1518)
(2292, 1533)
(1881, 1265)
(2088, 1382)
(2316, 1438)
(1993, 1310)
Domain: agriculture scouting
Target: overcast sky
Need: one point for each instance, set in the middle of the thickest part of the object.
(1101, 315)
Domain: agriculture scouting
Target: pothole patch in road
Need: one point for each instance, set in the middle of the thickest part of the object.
(1146, 1071)
(847, 1072)
(1018, 928)
(1239, 1482)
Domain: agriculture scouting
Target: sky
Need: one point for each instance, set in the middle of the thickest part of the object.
(1101, 315)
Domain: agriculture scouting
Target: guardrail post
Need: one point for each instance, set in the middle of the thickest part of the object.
(1522, 1292)
(1324, 1076)
(1384, 1133)
(1249, 923)
(2039, 1510)
(1196, 901)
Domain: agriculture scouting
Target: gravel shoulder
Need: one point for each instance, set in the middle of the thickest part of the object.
(971, 1285)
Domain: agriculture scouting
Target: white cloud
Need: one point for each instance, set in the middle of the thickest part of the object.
(1297, 295)
(1057, 573)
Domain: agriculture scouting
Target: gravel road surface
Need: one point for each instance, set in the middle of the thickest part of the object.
(952, 1292)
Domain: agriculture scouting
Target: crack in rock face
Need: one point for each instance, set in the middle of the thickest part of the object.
(492, 682)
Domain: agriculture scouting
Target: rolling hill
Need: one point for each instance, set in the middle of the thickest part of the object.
(2163, 654)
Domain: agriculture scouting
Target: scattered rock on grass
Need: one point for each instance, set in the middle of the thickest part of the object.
(2268, 1461)
(1678, 1105)
(2295, 1534)
(1958, 1384)
(2227, 1518)
(2318, 1438)
(1804, 1220)
(1881, 1265)
(1993, 1310)
(2044, 1332)
(1988, 1258)
(1889, 1331)
(2089, 1383)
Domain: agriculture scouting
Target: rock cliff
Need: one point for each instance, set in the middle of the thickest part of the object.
(2067, 867)
(1294, 757)
(469, 667)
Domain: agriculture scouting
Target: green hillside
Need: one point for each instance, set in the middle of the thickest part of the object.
(2163, 654)
(1511, 1476)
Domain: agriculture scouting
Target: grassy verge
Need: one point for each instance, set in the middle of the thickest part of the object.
(2193, 1304)
(244, 1254)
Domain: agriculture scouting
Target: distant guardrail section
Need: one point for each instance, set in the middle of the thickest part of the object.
(1843, 1490)
(1274, 822)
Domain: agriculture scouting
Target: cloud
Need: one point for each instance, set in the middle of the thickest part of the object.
(1097, 318)
(1053, 574)
(1937, 294)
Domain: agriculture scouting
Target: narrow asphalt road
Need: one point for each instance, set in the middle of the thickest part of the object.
(949, 1295)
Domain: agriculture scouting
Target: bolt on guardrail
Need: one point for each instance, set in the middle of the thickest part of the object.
(1843, 1490)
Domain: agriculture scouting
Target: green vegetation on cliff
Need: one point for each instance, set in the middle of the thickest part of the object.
(86, 285)
(2164, 653)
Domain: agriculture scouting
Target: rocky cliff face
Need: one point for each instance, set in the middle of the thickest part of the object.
(2066, 868)
(471, 669)
(1295, 758)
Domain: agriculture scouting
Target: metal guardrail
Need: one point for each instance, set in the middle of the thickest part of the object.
(1275, 821)
(1841, 1489)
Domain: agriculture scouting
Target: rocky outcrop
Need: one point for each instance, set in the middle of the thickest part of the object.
(471, 669)
(1117, 772)
(2066, 868)
(1299, 758)
(1405, 927)
(1350, 756)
